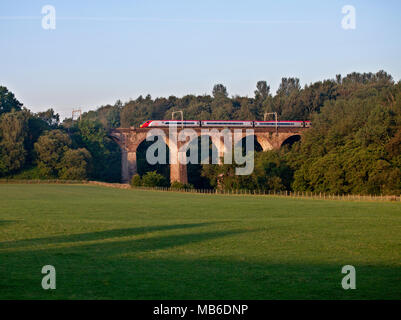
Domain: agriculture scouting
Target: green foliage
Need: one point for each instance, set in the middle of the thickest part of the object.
(290, 102)
(108, 116)
(353, 146)
(55, 158)
(8, 102)
(13, 131)
(271, 172)
(181, 186)
(50, 149)
(75, 164)
(32, 173)
(106, 155)
(220, 91)
(28, 139)
(153, 179)
(136, 181)
(262, 90)
(288, 86)
(19, 130)
(144, 166)
(50, 118)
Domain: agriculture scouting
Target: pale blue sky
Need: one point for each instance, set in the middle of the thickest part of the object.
(102, 51)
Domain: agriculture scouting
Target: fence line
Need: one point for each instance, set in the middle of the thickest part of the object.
(40, 181)
(58, 181)
(284, 194)
(232, 192)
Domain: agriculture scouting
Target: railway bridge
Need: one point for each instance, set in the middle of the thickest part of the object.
(129, 139)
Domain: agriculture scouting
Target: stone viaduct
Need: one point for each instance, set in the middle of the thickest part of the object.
(129, 140)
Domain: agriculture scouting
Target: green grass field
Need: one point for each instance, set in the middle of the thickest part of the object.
(132, 244)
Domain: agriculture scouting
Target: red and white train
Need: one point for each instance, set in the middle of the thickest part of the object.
(225, 123)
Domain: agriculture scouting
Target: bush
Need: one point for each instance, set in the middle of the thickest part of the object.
(136, 181)
(27, 174)
(50, 149)
(153, 179)
(75, 164)
(179, 186)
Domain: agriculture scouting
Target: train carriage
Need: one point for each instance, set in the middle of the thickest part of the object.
(226, 123)
(167, 123)
(294, 124)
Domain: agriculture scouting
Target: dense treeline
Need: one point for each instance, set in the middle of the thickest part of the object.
(354, 145)
(37, 146)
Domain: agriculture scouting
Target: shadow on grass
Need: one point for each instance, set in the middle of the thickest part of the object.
(140, 269)
(5, 222)
(100, 235)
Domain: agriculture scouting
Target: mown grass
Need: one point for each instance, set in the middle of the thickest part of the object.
(133, 244)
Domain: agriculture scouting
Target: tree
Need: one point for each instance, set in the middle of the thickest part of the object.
(75, 164)
(220, 91)
(50, 149)
(13, 131)
(36, 127)
(136, 181)
(353, 144)
(262, 90)
(51, 118)
(106, 154)
(271, 172)
(153, 179)
(288, 86)
(352, 147)
(8, 102)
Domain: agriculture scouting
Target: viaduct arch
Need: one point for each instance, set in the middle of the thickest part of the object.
(129, 140)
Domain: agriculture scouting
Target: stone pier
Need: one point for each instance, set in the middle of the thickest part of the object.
(129, 140)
